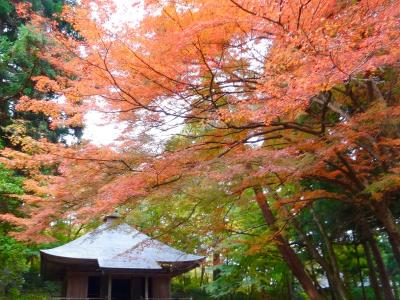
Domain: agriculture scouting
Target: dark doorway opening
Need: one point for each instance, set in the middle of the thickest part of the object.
(121, 289)
(138, 288)
(94, 287)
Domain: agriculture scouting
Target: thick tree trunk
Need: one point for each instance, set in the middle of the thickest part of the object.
(284, 248)
(385, 216)
(341, 290)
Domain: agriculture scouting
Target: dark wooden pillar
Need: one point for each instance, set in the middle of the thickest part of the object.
(64, 286)
(104, 286)
(161, 287)
(137, 288)
(77, 285)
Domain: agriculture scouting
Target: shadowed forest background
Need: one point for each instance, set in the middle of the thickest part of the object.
(262, 134)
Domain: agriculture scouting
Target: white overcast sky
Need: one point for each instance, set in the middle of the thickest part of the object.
(98, 130)
(101, 131)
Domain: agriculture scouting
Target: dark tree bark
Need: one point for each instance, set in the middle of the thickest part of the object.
(203, 272)
(290, 286)
(284, 248)
(216, 262)
(383, 275)
(395, 289)
(385, 216)
(312, 250)
(360, 271)
(371, 271)
(387, 291)
(332, 261)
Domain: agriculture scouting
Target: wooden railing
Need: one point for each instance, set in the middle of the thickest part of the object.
(72, 298)
(142, 298)
(173, 298)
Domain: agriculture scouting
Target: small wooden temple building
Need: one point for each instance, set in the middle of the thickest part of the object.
(115, 262)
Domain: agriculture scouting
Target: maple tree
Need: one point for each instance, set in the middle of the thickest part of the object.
(32, 107)
(267, 94)
(24, 37)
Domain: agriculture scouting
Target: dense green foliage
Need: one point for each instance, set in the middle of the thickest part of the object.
(19, 271)
(20, 45)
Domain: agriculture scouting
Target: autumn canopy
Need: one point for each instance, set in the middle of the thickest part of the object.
(264, 125)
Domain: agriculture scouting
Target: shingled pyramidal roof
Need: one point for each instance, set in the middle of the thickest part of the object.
(120, 246)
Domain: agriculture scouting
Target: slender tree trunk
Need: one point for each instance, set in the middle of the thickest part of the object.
(360, 271)
(290, 286)
(203, 271)
(371, 271)
(385, 216)
(216, 263)
(264, 295)
(341, 290)
(284, 248)
(387, 291)
(395, 289)
(312, 250)
(383, 275)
